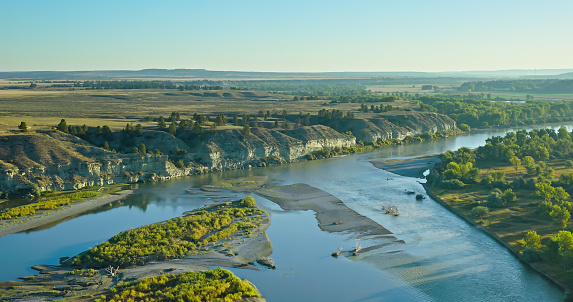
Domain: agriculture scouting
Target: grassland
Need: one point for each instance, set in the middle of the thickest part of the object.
(44, 107)
(511, 223)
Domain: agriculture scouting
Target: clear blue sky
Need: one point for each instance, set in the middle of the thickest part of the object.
(258, 35)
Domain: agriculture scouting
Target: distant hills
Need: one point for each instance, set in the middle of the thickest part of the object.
(211, 74)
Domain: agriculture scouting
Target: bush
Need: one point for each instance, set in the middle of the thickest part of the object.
(248, 202)
(531, 255)
(569, 163)
(479, 211)
(452, 184)
(518, 183)
(464, 127)
(495, 199)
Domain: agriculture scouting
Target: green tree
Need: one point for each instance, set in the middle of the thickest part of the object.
(23, 127)
(161, 123)
(565, 242)
(106, 145)
(515, 162)
(142, 148)
(532, 240)
(508, 196)
(560, 216)
(246, 130)
(63, 126)
(172, 128)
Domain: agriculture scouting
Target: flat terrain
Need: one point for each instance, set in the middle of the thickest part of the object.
(42, 108)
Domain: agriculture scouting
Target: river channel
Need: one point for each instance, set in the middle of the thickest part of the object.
(442, 258)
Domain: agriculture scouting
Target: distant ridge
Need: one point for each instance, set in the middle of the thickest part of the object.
(211, 74)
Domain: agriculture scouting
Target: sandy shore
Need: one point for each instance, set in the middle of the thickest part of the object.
(332, 214)
(413, 167)
(52, 216)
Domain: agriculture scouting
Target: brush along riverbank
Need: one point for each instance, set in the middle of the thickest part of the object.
(65, 211)
(518, 213)
(231, 234)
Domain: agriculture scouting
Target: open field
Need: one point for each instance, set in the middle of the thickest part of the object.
(43, 108)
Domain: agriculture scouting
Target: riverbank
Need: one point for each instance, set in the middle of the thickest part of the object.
(51, 216)
(412, 167)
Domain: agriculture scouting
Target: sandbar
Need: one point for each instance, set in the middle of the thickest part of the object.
(412, 167)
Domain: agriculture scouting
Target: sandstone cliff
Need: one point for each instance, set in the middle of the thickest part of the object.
(58, 161)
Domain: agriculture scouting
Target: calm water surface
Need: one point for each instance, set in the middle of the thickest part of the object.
(442, 258)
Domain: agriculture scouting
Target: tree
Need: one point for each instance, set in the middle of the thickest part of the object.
(106, 145)
(515, 161)
(532, 240)
(161, 123)
(142, 148)
(23, 127)
(246, 130)
(63, 126)
(172, 128)
(565, 242)
(508, 196)
(560, 216)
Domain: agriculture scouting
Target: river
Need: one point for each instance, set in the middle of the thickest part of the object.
(442, 257)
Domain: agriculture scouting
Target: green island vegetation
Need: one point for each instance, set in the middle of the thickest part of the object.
(173, 238)
(519, 187)
(52, 200)
(212, 285)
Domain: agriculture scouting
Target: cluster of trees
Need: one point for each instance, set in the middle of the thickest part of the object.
(483, 113)
(538, 86)
(377, 109)
(312, 88)
(212, 285)
(173, 238)
(145, 85)
(540, 144)
(558, 246)
(364, 98)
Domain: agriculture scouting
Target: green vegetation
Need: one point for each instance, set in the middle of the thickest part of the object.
(475, 111)
(45, 203)
(173, 238)
(518, 186)
(212, 285)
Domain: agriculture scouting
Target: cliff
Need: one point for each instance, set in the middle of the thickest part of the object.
(58, 161)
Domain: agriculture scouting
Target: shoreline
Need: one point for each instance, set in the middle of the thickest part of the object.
(52, 216)
(410, 168)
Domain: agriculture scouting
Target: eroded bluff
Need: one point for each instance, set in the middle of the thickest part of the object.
(59, 161)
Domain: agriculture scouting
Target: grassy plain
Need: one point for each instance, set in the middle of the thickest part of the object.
(42, 108)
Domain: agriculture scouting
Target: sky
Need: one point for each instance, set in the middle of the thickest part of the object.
(286, 36)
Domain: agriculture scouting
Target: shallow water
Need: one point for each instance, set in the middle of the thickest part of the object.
(442, 259)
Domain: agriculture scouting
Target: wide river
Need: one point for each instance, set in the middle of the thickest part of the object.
(442, 258)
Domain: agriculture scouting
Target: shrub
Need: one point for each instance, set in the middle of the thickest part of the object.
(531, 255)
(452, 184)
(248, 202)
(495, 199)
(464, 127)
(479, 211)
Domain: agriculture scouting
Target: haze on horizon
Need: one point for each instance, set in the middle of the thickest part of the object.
(286, 36)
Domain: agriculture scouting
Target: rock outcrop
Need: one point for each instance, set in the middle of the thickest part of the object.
(59, 161)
